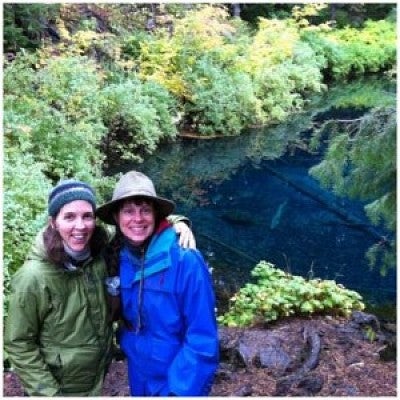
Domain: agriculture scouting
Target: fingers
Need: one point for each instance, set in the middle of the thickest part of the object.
(186, 237)
(187, 240)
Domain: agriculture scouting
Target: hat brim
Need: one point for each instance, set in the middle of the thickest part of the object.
(106, 212)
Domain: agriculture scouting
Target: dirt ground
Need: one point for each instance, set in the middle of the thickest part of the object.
(345, 368)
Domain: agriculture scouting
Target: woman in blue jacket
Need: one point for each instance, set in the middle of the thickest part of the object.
(170, 335)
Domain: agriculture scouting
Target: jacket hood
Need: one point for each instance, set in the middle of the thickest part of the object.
(37, 250)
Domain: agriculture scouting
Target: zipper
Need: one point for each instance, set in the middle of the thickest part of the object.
(139, 324)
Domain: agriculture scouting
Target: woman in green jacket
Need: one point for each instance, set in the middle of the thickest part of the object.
(58, 334)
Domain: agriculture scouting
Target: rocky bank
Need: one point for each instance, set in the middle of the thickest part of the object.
(318, 356)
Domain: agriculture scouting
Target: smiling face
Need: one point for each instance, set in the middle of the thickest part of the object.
(75, 223)
(136, 220)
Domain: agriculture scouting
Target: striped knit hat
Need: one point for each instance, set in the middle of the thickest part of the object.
(67, 191)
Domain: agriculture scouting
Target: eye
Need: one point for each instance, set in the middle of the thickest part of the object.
(88, 217)
(127, 211)
(147, 210)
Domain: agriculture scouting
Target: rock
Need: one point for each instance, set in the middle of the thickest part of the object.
(274, 358)
(362, 318)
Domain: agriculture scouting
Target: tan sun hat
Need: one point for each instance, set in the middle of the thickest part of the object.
(134, 184)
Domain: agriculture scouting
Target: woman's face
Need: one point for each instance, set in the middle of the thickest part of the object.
(75, 222)
(136, 220)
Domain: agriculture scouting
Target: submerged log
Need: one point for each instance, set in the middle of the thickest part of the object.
(348, 218)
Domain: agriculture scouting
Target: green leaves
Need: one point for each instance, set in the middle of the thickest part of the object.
(138, 116)
(360, 162)
(278, 294)
(348, 52)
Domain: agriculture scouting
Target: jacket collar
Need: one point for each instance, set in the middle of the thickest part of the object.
(157, 257)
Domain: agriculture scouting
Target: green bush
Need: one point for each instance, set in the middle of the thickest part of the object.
(352, 52)
(138, 116)
(221, 102)
(282, 67)
(25, 196)
(277, 294)
(54, 115)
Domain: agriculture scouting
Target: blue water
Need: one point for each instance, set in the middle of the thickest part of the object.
(255, 215)
(251, 198)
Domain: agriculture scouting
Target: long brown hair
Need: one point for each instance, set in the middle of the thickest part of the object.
(53, 244)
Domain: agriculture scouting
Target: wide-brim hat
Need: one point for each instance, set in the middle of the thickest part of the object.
(134, 184)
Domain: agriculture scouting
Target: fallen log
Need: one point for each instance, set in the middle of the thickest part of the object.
(313, 348)
(352, 221)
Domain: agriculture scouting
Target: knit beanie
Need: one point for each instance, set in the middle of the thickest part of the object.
(67, 191)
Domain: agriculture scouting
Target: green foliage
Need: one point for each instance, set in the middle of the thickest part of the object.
(50, 132)
(370, 333)
(68, 85)
(277, 294)
(23, 208)
(53, 116)
(282, 68)
(221, 102)
(132, 44)
(138, 116)
(258, 76)
(353, 52)
(24, 24)
(360, 162)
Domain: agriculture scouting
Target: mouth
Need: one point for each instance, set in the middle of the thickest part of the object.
(138, 230)
(80, 238)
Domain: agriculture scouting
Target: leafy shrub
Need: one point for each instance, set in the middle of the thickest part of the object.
(221, 102)
(277, 294)
(69, 86)
(54, 115)
(281, 67)
(202, 31)
(353, 52)
(138, 116)
(25, 196)
(50, 132)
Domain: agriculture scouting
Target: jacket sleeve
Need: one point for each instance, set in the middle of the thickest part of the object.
(21, 337)
(192, 371)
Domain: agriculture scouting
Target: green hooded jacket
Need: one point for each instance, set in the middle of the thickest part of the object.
(58, 336)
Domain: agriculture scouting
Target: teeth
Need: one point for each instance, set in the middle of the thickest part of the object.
(79, 237)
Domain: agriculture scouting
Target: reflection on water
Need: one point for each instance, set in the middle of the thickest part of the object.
(256, 215)
(250, 198)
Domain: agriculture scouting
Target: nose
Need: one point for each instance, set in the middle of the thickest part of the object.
(79, 223)
(137, 215)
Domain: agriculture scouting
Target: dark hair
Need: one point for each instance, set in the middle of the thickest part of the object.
(111, 254)
(53, 244)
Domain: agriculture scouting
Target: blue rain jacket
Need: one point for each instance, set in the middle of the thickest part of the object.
(174, 351)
